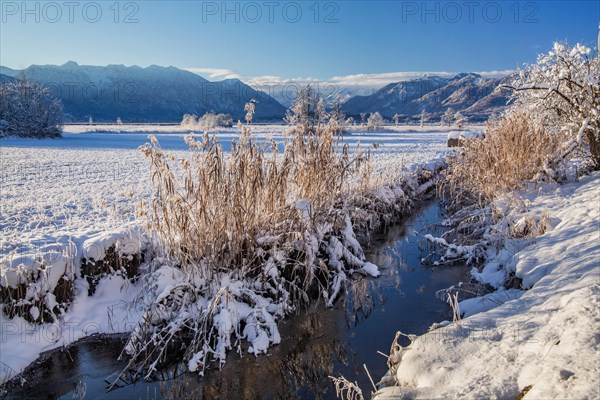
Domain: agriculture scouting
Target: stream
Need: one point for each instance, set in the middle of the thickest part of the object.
(315, 344)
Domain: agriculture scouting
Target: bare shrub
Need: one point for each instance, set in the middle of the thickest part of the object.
(346, 390)
(375, 121)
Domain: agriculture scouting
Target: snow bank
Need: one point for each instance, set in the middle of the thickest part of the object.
(542, 341)
(111, 310)
(127, 241)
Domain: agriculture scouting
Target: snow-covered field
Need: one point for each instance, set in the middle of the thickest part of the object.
(86, 185)
(272, 128)
(82, 184)
(543, 342)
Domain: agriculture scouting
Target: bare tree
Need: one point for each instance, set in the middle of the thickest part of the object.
(375, 121)
(304, 113)
(249, 108)
(423, 118)
(563, 90)
(28, 109)
(448, 117)
(363, 117)
(337, 117)
(459, 120)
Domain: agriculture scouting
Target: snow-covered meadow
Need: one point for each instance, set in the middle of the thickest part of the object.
(87, 183)
(83, 189)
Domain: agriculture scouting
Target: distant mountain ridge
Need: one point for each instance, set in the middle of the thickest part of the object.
(469, 93)
(165, 94)
(151, 94)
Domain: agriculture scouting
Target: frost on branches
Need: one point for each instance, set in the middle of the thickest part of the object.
(375, 121)
(28, 109)
(562, 89)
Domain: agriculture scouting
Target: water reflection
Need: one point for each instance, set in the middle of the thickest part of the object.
(315, 344)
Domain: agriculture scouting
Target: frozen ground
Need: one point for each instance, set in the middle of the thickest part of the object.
(544, 341)
(86, 185)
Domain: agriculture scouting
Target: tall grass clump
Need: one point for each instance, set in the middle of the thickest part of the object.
(210, 208)
(482, 176)
(243, 238)
(514, 150)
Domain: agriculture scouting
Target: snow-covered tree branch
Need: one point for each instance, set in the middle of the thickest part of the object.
(562, 89)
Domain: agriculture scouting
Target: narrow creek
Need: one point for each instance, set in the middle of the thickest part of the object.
(315, 344)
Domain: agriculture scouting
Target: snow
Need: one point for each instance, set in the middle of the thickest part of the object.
(545, 337)
(454, 134)
(466, 134)
(110, 310)
(370, 269)
(127, 241)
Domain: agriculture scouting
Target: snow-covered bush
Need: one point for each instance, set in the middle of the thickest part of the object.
(375, 121)
(562, 90)
(448, 117)
(557, 111)
(459, 120)
(189, 121)
(208, 122)
(28, 109)
(246, 237)
(307, 114)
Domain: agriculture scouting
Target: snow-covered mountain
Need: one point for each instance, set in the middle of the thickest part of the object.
(329, 91)
(152, 94)
(164, 94)
(469, 93)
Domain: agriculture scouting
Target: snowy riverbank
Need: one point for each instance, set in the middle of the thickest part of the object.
(541, 342)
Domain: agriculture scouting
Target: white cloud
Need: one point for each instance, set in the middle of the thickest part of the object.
(273, 80)
(356, 81)
(496, 74)
(380, 80)
(214, 73)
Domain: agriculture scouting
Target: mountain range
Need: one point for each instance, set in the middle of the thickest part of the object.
(165, 94)
(476, 97)
(151, 94)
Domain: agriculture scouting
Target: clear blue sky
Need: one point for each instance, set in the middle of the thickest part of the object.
(261, 38)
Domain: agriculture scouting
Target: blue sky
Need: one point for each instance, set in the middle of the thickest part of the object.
(283, 39)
